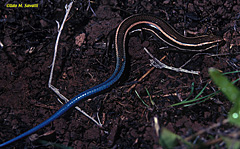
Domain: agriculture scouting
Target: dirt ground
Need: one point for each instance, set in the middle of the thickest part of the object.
(28, 36)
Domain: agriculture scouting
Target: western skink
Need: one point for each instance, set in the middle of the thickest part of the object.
(157, 27)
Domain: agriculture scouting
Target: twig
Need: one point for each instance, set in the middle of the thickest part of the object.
(89, 6)
(156, 63)
(223, 54)
(193, 57)
(207, 129)
(68, 8)
(1, 45)
(156, 125)
(148, 72)
(209, 55)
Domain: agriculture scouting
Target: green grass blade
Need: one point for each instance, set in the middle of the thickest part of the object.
(231, 72)
(191, 92)
(193, 100)
(152, 102)
(231, 143)
(230, 91)
(141, 99)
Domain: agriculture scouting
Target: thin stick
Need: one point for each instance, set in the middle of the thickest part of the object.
(89, 6)
(68, 8)
(207, 129)
(156, 63)
(1, 45)
(150, 70)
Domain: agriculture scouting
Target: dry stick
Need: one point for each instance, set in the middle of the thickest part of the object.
(193, 57)
(207, 129)
(68, 8)
(1, 45)
(209, 55)
(156, 63)
(223, 54)
(215, 141)
(89, 6)
(150, 70)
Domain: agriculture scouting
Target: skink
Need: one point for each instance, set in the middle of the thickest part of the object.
(157, 27)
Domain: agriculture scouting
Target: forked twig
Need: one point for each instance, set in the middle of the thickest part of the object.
(156, 63)
(89, 6)
(68, 8)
